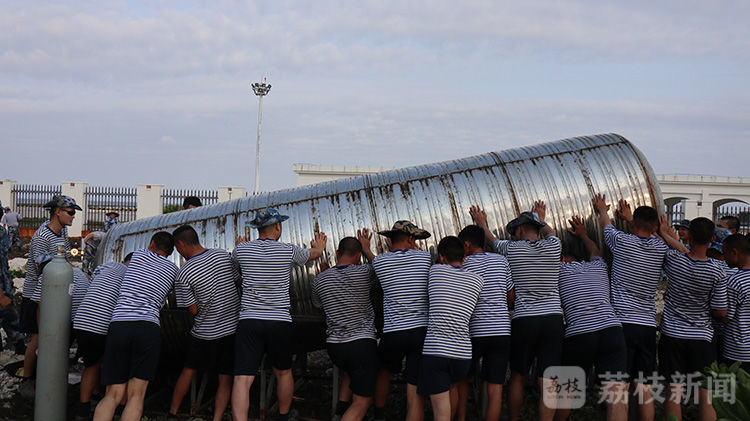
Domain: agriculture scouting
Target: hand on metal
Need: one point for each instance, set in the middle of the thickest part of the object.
(624, 211)
(319, 242)
(600, 204)
(577, 226)
(478, 215)
(540, 209)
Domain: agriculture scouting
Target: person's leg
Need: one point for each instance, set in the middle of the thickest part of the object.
(673, 404)
(29, 359)
(358, 409)
(284, 389)
(89, 381)
(222, 396)
(181, 388)
(463, 397)
(494, 401)
(382, 387)
(105, 410)
(136, 394)
(441, 406)
(515, 395)
(241, 397)
(641, 345)
(617, 403)
(547, 391)
(646, 409)
(345, 391)
(415, 404)
(706, 411)
(454, 399)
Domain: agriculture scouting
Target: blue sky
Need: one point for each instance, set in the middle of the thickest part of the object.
(118, 93)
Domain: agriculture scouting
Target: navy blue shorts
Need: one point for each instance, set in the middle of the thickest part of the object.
(394, 346)
(359, 360)
(539, 337)
(28, 322)
(640, 341)
(132, 350)
(680, 357)
(215, 355)
(255, 338)
(91, 346)
(494, 352)
(437, 374)
(605, 349)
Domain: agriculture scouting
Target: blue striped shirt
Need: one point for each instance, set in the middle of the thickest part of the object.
(453, 295)
(636, 271)
(584, 292)
(208, 280)
(81, 284)
(403, 275)
(266, 267)
(95, 311)
(694, 288)
(491, 316)
(737, 332)
(44, 241)
(344, 294)
(535, 268)
(144, 288)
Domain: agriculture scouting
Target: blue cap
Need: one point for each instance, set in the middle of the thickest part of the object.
(62, 201)
(720, 234)
(685, 223)
(524, 218)
(266, 217)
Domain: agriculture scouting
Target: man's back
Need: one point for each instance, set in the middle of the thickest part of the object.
(636, 271)
(144, 287)
(95, 311)
(208, 280)
(737, 332)
(11, 219)
(491, 316)
(403, 275)
(584, 292)
(344, 294)
(266, 267)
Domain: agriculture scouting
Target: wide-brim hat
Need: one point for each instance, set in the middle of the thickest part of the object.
(62, 201)
(524, 218)
(110, 212)
(406, 227)
(685, 223)
(266, 217)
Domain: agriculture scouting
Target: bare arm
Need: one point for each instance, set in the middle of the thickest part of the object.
(364, 236)
(480, 218)
(193, 309)
(602, 208)
(578, 230)
(720, 315)
(668, 235)
(511, 299)
(317, 246)
(541, 210)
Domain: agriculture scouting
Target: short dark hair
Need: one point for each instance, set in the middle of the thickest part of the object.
(738, 242)
(473, 234)
(164, 242)
(186, 234)
(191, 200)
(451, 248)
(701, 230)
(733, 222)
(349, 246)
(646, 217)
(128, 257)
(262, 230)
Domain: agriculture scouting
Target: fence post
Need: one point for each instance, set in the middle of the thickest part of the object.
(6, 193)
(149, 200)
(76, 190)
(227, 193)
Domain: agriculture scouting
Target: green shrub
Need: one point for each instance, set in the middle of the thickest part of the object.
(738, 380)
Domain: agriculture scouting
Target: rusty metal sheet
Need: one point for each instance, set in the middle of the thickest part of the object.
(565, 173)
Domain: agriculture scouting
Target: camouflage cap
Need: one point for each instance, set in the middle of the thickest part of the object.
(406, 227)
(685, 223)
(524, 218)
(62, 201)
(266, 217)
(720, 234)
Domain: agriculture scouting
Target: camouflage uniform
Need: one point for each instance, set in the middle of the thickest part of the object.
(8, 316)
(89, 252)
(110, 222)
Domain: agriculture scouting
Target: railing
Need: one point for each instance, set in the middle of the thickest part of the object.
(675, 213)
(29, 202)
(100, 200)
(172, 198)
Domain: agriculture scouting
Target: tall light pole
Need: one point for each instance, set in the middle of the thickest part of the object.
(260, 89)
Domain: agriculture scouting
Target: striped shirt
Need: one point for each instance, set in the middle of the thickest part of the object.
(737, 333)
(266, 267)
(95, 311)
(44, 241)
(453, 293)
(728, 273)
(535, 268)
(144, 288)
(694, 288)
(344, 294)
(81, 284)
(207, 279)
(636, 271)
(584, 292)
(491, 316)
(403, 275)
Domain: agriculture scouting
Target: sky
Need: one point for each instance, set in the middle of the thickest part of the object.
(122, 92)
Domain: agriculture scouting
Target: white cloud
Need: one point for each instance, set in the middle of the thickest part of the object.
(167, 140)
